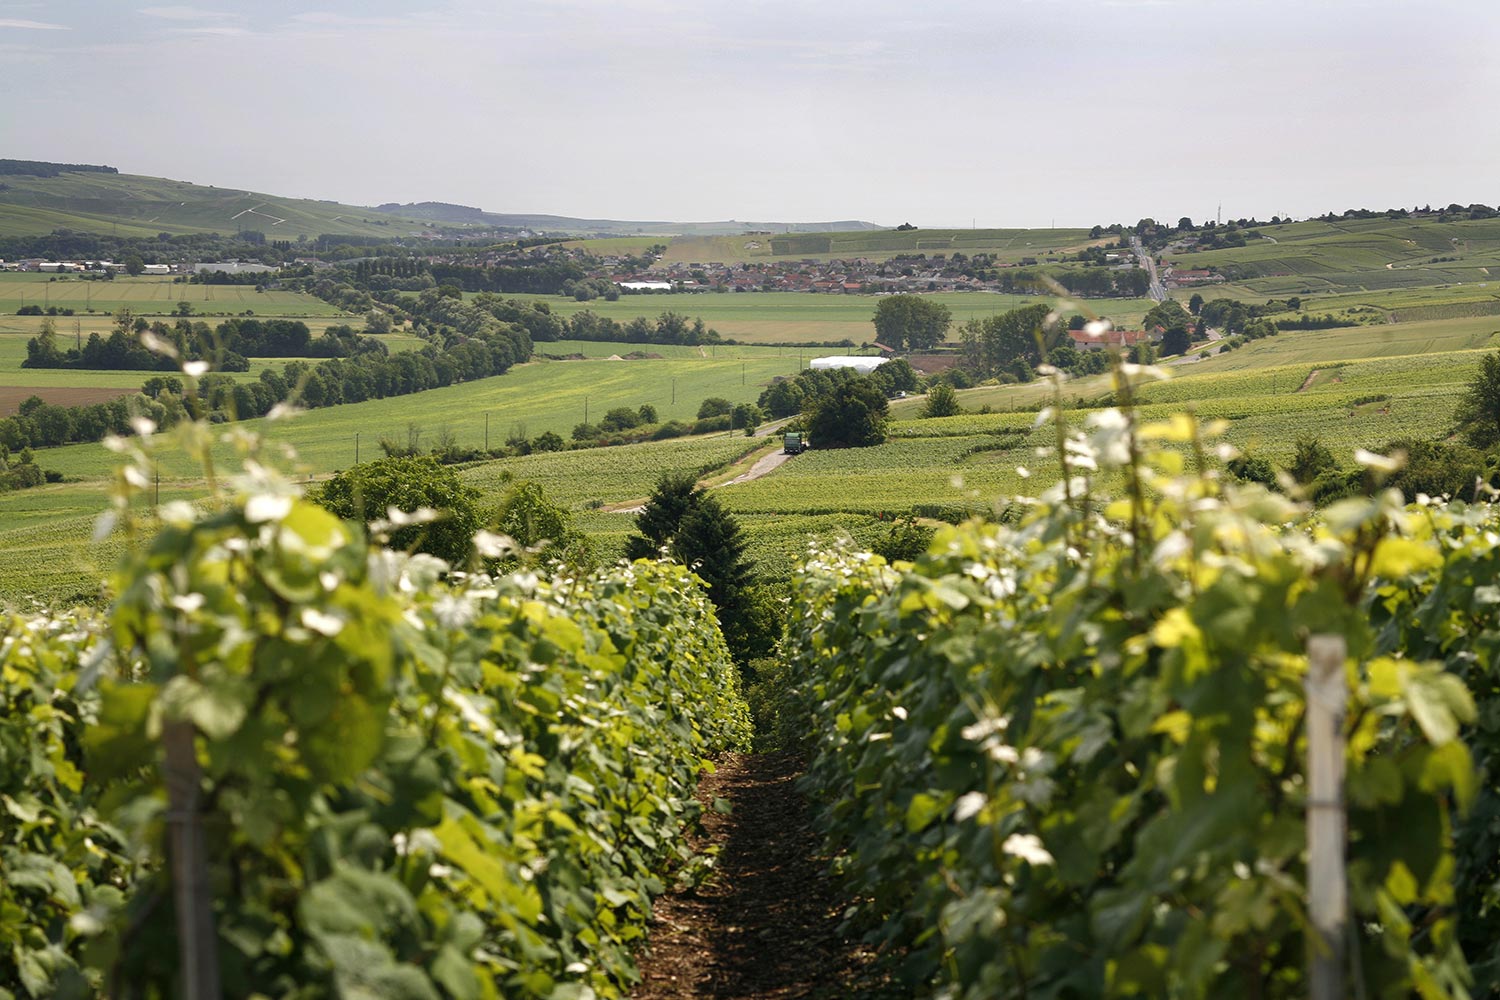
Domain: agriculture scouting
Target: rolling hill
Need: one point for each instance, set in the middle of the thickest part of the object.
(132, 205)
(37, 198)
(447, 214)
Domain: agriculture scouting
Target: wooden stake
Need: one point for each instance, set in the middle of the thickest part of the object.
(1327, 694)
(197, 940)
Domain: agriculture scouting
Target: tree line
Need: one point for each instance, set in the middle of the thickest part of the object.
(371, 375)
(226, 347)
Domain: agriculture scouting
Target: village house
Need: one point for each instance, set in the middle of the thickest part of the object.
(1123, 339)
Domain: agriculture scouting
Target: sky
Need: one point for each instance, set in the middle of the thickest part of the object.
(990, 113)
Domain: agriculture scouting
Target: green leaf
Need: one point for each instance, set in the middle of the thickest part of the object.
(1438, 702)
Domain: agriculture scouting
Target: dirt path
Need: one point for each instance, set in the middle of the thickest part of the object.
(766, 924)
(763, 465)
(1309, 380)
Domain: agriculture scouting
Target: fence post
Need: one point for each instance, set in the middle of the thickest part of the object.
(1327, 694)
(197, 940)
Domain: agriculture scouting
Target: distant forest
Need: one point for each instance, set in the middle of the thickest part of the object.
(41, 168)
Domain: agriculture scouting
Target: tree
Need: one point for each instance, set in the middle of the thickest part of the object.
(746, 416)
(547, 441)
(1166, 315)
(621, 418)
(694, 529)
(911, 322)
(365, 493)
(714, 406)
(133, 264)
(1310, 459)
(1175, 341)
(535, 522)
(851, 415)
(1478, 411)
(377, 321)
(942, 401)
(1195, 303)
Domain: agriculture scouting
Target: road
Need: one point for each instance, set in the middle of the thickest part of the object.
(1157, 291)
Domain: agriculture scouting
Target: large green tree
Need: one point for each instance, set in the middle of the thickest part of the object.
(367, 492)
(911, 322)
(1478, 412)
(852, 414)
(996, 343)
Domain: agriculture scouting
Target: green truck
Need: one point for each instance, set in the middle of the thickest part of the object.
(794, 443)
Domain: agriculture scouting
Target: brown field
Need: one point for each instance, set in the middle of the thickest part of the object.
(12, 396)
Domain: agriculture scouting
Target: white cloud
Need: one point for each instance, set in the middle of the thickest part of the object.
(13, 22)
(184, 13)
(225, 31)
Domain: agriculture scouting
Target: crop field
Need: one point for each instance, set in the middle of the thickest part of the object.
(530, 399)
(1369, 255)
(807, 317)
(585, 480)
(1006, 244)
(605, 246)
(151, 295)
(609, 349)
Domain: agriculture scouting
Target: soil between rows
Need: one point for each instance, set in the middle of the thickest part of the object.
(766, 924)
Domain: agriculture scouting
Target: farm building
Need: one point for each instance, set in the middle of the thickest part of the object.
(645, 286)
(232, 267)
(1111, 338)
(156, 269)
(864, 364)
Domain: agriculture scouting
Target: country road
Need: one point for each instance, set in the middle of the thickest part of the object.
(1157, 291)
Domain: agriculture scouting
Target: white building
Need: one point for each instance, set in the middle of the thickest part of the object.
(157, 269)
(862, 363)
(645, 286)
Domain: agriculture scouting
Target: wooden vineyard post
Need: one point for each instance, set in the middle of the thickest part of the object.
(1327, 890)
(197, 940)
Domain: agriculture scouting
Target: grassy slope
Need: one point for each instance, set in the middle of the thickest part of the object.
(1007, 244)
(133, 205)
(1358, 255)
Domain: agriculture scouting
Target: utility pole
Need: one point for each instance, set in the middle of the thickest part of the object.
(356, 447)
(674, 392)
(486, 430)
(585, 409)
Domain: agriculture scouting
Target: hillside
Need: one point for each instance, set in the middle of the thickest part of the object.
(1354, 255)
(133, 205)
(442, 212)
(1008, 245)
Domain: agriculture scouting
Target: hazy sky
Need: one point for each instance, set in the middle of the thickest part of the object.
(1000, 112)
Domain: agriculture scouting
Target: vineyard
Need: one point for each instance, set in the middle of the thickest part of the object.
(283, 763)
(1068, 758)
(1063, 753)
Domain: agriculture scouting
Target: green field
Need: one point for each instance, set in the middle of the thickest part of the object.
(153, 295)
(807, 317)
